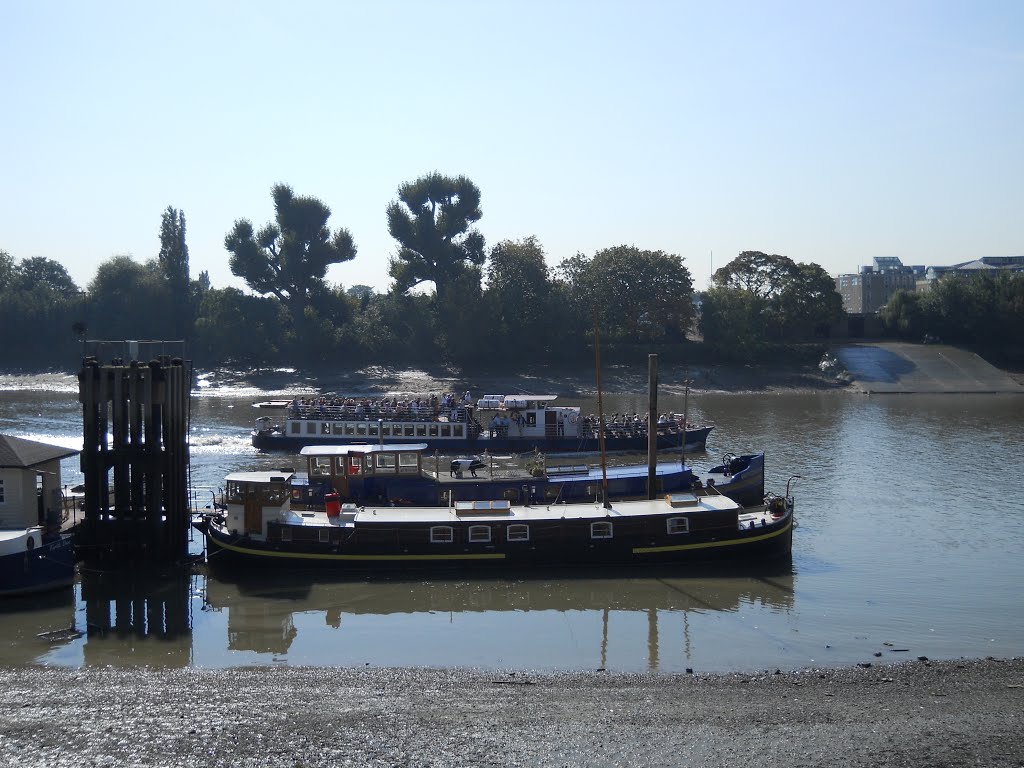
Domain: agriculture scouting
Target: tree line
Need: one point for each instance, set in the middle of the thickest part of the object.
(494, 307)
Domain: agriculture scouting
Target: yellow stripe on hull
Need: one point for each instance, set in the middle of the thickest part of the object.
(711, 544)
(352, 558)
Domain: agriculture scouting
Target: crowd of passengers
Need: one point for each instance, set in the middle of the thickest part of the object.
(626, 423)
(432, 407)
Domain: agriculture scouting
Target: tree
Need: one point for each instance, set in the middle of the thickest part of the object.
(173, 261)
(431, 220)
(289, 258)
(642, 295)
(517, 295)
(732, 322)
(796, 299)
(6, 270)
(757, 272)
(40, 272)
(141, 296)
(809, 300)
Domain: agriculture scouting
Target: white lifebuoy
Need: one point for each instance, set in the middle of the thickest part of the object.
(572, 419)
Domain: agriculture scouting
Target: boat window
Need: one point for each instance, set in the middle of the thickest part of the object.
(518, 532)
(432, 430)
(295, 427)
(385, 430)
(373, 430)
(601, 530)
(325, 428)
(350, 430)
(442, 534)
(408, 461)
(320, 466)
(325, 534)
(310, 427)
(339, 428)
(446, 430)
(458, 430)
(409, 428)
(479, 533)
(421, 430)
(386, 461)
(361, 430)
(676, 525)
(355, 465)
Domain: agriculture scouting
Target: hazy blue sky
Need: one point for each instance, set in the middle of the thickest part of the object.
(828, 132)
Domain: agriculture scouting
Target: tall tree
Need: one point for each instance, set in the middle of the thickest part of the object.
(431, 220)
(517, 293)
(289, 257)
(173, 260)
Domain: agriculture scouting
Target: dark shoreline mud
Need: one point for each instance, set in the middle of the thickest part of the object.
(920, 713)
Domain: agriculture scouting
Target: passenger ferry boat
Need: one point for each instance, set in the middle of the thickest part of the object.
(496, 423)
(409, 475)
(257, 526)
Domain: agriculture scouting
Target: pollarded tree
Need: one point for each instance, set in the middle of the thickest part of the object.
(289, 257)
(432, 220)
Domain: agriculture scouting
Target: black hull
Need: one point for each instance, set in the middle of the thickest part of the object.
(565, 546)
(696, 441)
(47, 567)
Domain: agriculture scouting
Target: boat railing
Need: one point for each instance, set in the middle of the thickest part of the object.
(375, 413)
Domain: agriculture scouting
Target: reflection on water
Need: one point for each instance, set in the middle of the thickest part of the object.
(911, 525)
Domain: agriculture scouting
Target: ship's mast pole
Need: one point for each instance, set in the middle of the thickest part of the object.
(600, 419)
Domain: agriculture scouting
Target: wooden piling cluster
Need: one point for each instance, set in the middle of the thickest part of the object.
(135, 459)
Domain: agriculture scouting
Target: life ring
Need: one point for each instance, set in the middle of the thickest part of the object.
(572, 419)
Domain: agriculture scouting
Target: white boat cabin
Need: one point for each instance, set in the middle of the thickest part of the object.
(30, 492)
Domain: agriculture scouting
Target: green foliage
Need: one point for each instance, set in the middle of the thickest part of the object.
(639, 295)
(793, 301)
(173, 262)
(517, 299)
(732, 321)
(233, 327)
(431, 220)
(130, 301)
(39, 272)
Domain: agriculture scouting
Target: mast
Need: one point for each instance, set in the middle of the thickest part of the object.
(686, 418)
(600, 419)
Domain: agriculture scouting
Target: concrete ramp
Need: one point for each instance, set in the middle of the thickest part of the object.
(921, 368)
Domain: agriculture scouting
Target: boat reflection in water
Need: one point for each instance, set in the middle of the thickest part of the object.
(546, 621)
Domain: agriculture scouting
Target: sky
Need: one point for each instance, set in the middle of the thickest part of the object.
(827, 132)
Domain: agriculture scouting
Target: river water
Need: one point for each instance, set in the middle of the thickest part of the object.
(910, 543)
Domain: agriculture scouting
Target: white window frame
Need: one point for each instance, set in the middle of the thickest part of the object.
(517, 532)
(602, 529)
(442, 534)
(677, 525)
(479, 534)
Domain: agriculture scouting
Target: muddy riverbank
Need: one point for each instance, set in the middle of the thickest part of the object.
(913, 714)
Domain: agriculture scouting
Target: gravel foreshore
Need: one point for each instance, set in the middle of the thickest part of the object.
(913, 714)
